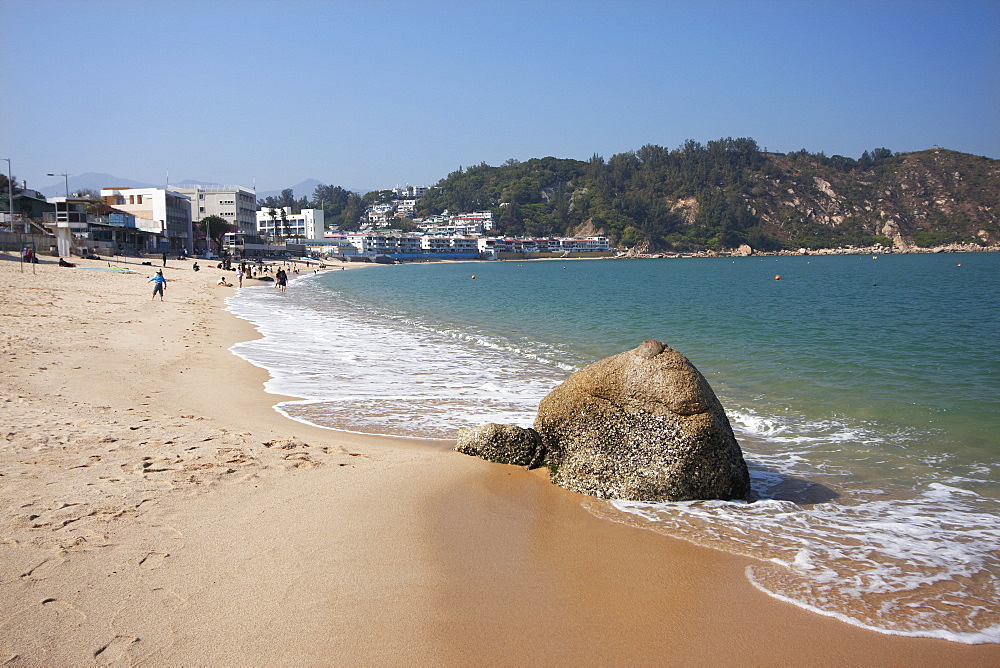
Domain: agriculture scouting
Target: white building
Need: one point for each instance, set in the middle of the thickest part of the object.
(481, 218)
(281, 222)
(234, 204)
(162, 212)
(585, 244)
(384, 244)
(492, 246)
(449, 229)
(404, 207)
(409, 191)
(380, 214)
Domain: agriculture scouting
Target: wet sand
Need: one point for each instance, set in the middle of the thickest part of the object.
(160, 511)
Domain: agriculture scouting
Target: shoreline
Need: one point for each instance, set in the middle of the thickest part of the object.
(629, 255)
(165, 512)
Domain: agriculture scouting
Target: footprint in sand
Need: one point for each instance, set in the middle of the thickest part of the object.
(301, 460)
(115, 651)
(153, 560)
(41, 571)
(168, 597)
(62, 608)
(170, 533)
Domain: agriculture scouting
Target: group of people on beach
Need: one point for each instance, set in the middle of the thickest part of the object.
(280, 276)
(244, 269)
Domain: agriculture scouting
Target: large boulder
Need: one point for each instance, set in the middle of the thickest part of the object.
(641, 425)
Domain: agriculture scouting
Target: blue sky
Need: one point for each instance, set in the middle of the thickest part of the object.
(373, 94)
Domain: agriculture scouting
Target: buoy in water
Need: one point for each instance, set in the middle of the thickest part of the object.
(778, 277)
(874, 257)
(473, 275)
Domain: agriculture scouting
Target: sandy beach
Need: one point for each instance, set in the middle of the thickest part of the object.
(160, 511)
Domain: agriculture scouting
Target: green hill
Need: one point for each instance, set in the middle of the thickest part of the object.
(728, 192)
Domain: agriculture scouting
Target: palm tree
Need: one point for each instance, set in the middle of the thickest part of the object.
(272, 213)
(284, 222)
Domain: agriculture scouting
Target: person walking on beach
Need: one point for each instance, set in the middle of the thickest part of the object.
(239, 275)
(164, 259)
(282, 279)
(159, 284)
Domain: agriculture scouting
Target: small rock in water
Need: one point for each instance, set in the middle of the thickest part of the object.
(501, 443)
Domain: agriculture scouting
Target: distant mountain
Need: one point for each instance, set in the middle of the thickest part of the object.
(304, 189)
(90, 181)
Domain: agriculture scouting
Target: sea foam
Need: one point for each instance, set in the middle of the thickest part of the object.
(357, 370)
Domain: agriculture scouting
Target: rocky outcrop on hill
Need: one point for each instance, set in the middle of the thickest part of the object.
(642, 425)
(909, 199)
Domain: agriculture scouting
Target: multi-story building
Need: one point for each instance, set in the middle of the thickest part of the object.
(384, 244)
(409, 191)
(595, 244)
(234, 204)
(484, 219)
(404, 207)
(380, 214)
(281, 222)
(449, 229)
(165, 213)
(493, 246)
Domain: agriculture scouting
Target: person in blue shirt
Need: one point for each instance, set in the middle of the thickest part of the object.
(159, 284)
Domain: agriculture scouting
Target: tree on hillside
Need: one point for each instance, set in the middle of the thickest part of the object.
(341, 208)
(351, 216)
(4, 186)
(403, 225)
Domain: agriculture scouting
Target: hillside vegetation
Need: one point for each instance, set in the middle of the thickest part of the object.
(728, 192)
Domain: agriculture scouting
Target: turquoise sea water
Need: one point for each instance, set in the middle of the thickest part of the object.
(865, 393)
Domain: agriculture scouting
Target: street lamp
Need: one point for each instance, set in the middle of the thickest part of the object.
(65, 176)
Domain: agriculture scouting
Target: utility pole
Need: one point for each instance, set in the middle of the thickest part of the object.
(10, 195)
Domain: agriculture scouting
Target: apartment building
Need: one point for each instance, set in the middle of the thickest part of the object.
(234, 204)
(483, 219)
(162, 212)
(404, 207)
(409, 191)
(379, 214)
